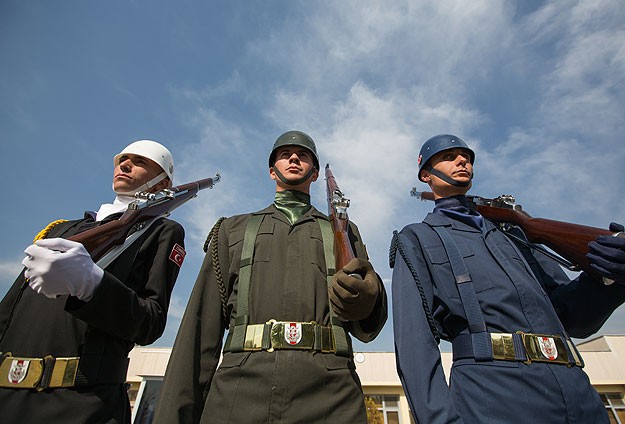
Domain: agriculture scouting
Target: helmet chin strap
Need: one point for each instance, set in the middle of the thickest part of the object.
(296, 182)
(448, 179)
(160, 177)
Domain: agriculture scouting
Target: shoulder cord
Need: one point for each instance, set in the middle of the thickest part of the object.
(43, 233)
(396, 245)
(214, 232)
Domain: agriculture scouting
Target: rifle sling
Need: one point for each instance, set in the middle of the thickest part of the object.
(114, 253)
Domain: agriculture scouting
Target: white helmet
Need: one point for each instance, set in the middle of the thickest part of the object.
(151, 150)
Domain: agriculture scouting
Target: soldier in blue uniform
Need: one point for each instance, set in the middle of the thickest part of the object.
(508, 310)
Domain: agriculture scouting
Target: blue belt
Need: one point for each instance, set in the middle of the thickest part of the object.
(522, 347)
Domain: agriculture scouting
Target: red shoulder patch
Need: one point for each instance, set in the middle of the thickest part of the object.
(177, 255)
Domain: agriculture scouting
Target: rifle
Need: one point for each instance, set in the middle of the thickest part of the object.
(568, 240)
(337, 211)
(140, 213)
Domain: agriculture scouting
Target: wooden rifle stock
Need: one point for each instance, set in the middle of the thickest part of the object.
(99, 240)
(337, 211)
(568, 240)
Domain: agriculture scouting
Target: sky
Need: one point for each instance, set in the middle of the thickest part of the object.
(537, 89)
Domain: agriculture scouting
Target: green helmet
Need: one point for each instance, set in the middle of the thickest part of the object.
(294, 138)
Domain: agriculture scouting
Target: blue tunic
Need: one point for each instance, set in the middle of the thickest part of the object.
(517, 290)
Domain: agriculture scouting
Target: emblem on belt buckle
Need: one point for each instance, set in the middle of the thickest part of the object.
(18, 371)
(548, 347)
(293, 332)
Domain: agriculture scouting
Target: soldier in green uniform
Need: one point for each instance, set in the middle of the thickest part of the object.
(268, 280)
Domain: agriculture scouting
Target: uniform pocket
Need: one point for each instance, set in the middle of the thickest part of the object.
(316, 255)
(224, 395)
(336, 362)
(262, 252)
(234, 359)
(441, 267)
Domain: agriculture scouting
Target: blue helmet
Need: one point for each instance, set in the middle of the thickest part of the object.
(437, 144)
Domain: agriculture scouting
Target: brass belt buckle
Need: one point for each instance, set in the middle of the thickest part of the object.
(254, 336)
(293, 335)
(503, 346)
(544, 348)
(38, 373)
(64, 372)
(18, 372)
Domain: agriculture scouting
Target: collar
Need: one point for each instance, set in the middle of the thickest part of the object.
(456, 208)
(119, 205)
(292, 203)
(312, 214)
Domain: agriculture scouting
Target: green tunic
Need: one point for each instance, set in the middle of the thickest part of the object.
(288, 284)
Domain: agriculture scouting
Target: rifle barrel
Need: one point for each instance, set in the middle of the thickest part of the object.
(566, 239)
(99, 240)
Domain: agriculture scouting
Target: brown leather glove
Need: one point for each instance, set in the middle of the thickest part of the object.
(352, 298)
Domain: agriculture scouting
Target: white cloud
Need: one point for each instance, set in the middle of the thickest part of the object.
(371, 83)
(177, 306)
(9, 270)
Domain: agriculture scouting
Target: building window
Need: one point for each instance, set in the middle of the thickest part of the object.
(145, 405)
(615, 405)
(388, 407)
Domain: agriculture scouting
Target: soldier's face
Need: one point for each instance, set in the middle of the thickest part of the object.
(133, 171)
(454, 163)
(293, 162)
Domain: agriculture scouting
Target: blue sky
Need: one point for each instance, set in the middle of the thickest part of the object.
(536, 88)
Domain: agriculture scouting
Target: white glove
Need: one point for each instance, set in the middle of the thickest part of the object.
(56, 266)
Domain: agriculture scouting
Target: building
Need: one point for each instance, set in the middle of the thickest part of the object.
(604, 357)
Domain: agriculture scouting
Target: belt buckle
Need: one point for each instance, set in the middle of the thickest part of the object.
(18, 372)
(544, 348)
(64, 372)
(38, 373)
(254, 337)
(503, 346)
(292, 335)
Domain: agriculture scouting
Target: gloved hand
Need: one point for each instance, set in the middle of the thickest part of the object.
(57, 266)
(607, 254)
(352, 298)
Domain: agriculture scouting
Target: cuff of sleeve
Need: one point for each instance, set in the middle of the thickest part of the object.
(367, 329)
